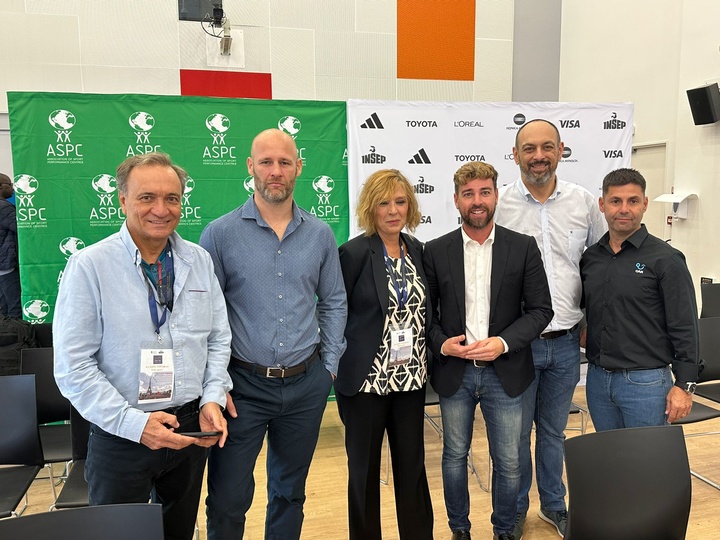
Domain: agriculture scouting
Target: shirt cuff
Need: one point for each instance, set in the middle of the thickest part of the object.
(504, 345)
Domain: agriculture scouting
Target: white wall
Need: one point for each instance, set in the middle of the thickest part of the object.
(650, 52)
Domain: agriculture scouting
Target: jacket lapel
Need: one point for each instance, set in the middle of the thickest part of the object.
(500, 254)
(379, 271)
(456, 261)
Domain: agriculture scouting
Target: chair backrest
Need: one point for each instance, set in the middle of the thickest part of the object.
(80, 429)
(710, 296)
(709, 333)
(109, 522)
(19, 436)
(43, 334)
(52, 406)
(627, 484)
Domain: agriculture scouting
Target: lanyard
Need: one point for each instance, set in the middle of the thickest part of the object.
(164, 292)
(400, 291)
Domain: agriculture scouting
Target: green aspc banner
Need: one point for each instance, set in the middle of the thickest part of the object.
(67, 146)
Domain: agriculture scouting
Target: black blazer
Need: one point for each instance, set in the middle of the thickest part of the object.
(365, 276)
(520, 306)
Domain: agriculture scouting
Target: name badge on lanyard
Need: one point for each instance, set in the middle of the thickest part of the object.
(401, 335)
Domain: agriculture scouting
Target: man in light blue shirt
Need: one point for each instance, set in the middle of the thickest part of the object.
(279, 268)
(564, 219)
(142, 344)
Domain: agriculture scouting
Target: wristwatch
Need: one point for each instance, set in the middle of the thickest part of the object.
(689, 387)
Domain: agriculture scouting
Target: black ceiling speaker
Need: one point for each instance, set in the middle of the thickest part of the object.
(705, 104)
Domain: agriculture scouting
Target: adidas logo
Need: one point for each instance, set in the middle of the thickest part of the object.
(420, 158)
(372, 123)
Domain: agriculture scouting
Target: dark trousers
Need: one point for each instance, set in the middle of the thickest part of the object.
(289, 411)
(366, 418)
(10, 294)
(122, 471)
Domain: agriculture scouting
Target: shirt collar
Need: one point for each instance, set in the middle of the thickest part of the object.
(636, 238)
(249, 210)
(134, 252)
(467, 240)
(525, 192)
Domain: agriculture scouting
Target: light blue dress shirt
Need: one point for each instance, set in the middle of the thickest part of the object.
(102, 320)
(283, 296)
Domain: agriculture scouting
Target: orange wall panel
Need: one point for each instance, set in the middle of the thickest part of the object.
(436, 39)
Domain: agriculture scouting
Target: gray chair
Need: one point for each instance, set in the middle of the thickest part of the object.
(628, 484)
(109, 522)
(21, 455)
(74, 492)
(53, 409)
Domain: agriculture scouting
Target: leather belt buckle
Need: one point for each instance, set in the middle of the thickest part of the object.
(270, 373)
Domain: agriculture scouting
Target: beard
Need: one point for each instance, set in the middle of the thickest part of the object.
(537, 179)
(274, 195)
(479, 222)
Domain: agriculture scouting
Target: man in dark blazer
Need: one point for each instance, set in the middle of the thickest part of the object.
(490, 299)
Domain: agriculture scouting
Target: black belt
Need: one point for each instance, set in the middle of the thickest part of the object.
(274, 372)
(557, 333)
(183, 410)
(480, 363)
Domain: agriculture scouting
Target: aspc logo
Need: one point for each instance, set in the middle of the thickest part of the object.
(70, 245)
(106, 212)
(36, 311)
(190, 213)
(28, 215)
(290, 125)
(63, 150)
(219, 152)
(142, 123)
(323, 186)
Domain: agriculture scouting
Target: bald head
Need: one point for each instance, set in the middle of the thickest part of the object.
(272, 137)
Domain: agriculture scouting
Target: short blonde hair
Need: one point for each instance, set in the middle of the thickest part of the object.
(380, 186)
(473, 171)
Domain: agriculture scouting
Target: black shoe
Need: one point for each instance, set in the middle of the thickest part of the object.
(519, 525)
(504, 536)
(461, 535)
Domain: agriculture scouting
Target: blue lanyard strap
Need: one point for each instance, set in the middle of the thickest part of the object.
(165, 292)
(401, 291)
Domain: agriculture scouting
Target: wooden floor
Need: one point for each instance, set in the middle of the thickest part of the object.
(326, 507)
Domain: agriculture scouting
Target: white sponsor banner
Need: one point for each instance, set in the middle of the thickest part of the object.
(429, 141)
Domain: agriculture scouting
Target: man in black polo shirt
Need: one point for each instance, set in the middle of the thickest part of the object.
(641, 314)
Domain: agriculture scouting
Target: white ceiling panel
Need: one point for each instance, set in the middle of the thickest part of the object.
(493, 70)
(346, 54)
(420, 90)
(342, 88)
(332, 15)
(293, 64)
(376, 16)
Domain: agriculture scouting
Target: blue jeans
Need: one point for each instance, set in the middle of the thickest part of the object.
(547, 403)
(289, 412)
(625, 398)
(122, 471)
(503, 418)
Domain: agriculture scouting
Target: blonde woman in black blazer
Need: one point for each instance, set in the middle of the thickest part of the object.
(380, 385)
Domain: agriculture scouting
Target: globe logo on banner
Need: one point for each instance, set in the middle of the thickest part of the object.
(141, 121)
(36, 311)
(104, 183)
(70, 245)
(249, 185)
(62, 119)
(26, 184)
(323, 184)
(289, 125)
(217, 123)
